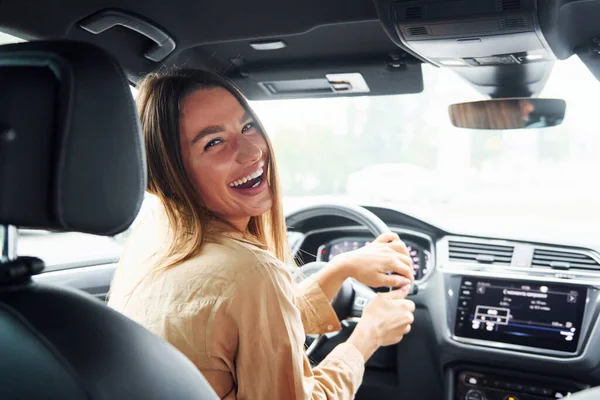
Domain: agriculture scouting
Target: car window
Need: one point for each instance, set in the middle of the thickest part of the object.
(6, 39)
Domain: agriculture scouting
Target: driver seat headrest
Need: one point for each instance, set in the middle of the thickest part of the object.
(71, 154)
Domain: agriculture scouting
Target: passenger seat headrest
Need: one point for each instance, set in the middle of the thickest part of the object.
(71, 152)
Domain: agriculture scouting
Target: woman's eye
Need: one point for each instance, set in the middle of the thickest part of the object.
(212, 143)
(248, 126)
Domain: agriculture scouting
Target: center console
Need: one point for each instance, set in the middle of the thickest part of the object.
(525, 315)
(520, 314)
(541, 317)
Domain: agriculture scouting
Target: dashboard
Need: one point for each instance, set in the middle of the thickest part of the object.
(495, 319)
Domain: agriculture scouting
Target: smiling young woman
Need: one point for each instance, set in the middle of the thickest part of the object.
(182, 119)
(206, 269)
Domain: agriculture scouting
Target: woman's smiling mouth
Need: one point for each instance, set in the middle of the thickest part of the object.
(251, 180)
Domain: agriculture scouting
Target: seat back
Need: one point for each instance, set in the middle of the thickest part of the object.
(72, 159)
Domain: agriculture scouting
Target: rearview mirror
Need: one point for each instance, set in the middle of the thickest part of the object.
(522, 113)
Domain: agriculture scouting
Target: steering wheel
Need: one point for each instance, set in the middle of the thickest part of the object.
(353, 296)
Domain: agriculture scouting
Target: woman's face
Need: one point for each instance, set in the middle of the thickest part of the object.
(225, 155)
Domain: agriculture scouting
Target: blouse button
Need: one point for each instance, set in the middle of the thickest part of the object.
(329, 327)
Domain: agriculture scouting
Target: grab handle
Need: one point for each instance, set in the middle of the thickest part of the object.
(106, 19)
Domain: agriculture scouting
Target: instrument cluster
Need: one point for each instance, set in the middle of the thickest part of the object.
(421, 256)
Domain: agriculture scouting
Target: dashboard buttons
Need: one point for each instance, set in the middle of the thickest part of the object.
(478, 385)
(474, 394)
(533, 390)
(472, 380)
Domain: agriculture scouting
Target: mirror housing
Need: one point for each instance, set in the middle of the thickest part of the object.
(515, 113)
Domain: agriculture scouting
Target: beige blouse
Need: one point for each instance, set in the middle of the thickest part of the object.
(236, 312)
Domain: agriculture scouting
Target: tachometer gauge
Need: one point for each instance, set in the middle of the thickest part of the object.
(428, 261)
(415, 256)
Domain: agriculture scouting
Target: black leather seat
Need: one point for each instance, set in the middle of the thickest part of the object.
(71, 159)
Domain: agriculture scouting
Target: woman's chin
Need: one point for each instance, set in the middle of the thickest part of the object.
(262, 208)
(248, 210)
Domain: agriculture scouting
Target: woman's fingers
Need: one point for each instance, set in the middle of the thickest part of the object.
(398, 294)
(409, 306)
(399, 247)
(402, 266)
(387, 237)
(396, 281)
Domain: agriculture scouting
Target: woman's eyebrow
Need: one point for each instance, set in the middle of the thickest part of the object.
(209, 130)
(246, 117)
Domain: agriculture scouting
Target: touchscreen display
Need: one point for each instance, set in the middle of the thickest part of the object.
(530, 314)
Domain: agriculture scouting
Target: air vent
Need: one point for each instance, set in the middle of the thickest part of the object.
(414, 13)
(563, 260)
(508, 5)
(481, 253)
(417, 31)
(513, 23)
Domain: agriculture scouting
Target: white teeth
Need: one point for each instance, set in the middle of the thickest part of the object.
(253, 175)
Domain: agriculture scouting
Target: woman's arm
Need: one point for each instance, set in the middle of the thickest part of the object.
(315, 305)
(256, 330)
(331, 277)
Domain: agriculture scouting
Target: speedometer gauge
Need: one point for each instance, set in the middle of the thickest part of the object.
(345, 246)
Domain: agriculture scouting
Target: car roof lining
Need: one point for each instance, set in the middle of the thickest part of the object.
(200, 25)
(217, 35)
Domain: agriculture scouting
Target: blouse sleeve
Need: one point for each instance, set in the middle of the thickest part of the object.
(256, 332)
(317, 314)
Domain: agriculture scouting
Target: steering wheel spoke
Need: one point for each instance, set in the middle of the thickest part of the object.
(362, 296)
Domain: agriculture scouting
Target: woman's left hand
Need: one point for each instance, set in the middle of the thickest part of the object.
(383, 262)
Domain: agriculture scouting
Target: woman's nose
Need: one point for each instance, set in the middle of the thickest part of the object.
(248, 152)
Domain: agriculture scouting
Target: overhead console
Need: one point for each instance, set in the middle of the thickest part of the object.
(497, 45)
(472, 32)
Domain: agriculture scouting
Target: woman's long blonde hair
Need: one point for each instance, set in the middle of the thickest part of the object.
(159, 98)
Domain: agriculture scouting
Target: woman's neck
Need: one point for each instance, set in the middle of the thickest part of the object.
(241, 224)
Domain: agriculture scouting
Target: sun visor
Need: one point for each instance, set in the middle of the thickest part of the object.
(330, 79)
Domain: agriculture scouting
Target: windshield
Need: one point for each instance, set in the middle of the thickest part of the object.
(403, 151)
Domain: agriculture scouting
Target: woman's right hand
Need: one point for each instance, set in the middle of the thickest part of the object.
(385, 321)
